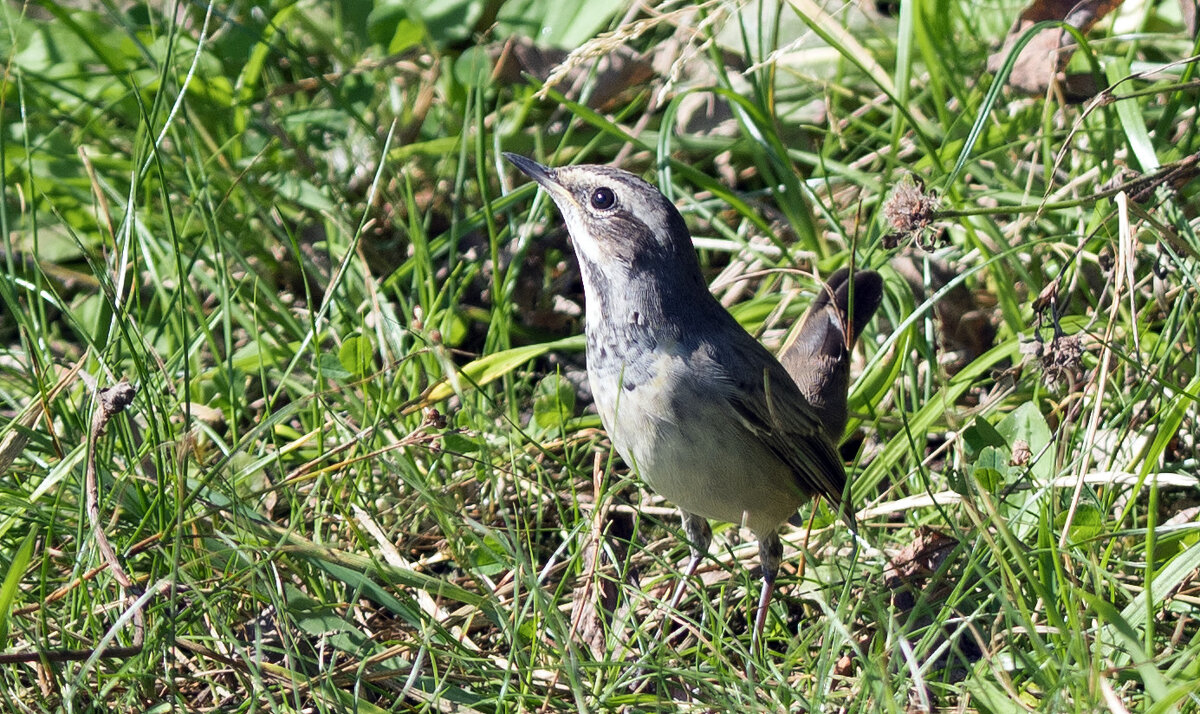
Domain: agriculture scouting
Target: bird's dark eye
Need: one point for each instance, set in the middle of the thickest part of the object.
(603, 198)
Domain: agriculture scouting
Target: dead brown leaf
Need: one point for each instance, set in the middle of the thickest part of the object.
(1043, 59)
(920, 559)
(908, 573)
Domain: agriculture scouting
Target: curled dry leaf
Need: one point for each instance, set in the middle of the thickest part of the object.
(116, 398)
(1021, 453)
(909, 570)
(919, 559)
(1044, 58)
(844, 666)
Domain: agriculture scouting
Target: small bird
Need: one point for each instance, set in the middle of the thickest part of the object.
(697, 406)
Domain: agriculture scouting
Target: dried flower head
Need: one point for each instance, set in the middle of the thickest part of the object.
(909, 209)
(1061, 359)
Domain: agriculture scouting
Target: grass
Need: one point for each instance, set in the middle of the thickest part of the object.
(360, 473)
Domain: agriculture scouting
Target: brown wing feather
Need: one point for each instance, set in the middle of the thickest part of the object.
(773, 409)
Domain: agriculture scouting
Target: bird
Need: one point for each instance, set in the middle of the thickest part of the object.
(698, 407)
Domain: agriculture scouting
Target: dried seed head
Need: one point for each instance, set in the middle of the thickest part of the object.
(909, 208)
(1021, 454)
(1061, 360)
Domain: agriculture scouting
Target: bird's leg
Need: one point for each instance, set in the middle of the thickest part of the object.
(699, 535)
(770, 552)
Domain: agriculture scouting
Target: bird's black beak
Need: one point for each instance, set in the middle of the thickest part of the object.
(544, 176)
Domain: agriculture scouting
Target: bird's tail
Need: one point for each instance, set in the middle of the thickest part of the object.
(817, 354)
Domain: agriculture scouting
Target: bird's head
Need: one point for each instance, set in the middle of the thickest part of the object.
(620, 225)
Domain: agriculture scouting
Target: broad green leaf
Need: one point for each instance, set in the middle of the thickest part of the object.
(1026, 423)
(981, 435)
(331, 367)
(392, 26)
(357, 355)
(570, 24)
(559, 23)
(473, 68)
(553, 401)
(491, 367)
(1087, 523)
(990, 468)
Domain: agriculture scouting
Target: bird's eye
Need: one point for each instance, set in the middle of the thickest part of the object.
(603, 198)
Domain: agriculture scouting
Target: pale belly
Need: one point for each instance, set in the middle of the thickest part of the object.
(687, 444)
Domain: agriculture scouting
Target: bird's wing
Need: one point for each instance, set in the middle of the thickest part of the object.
(772, 408)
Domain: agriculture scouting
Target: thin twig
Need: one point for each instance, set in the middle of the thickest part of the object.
(109, 403)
